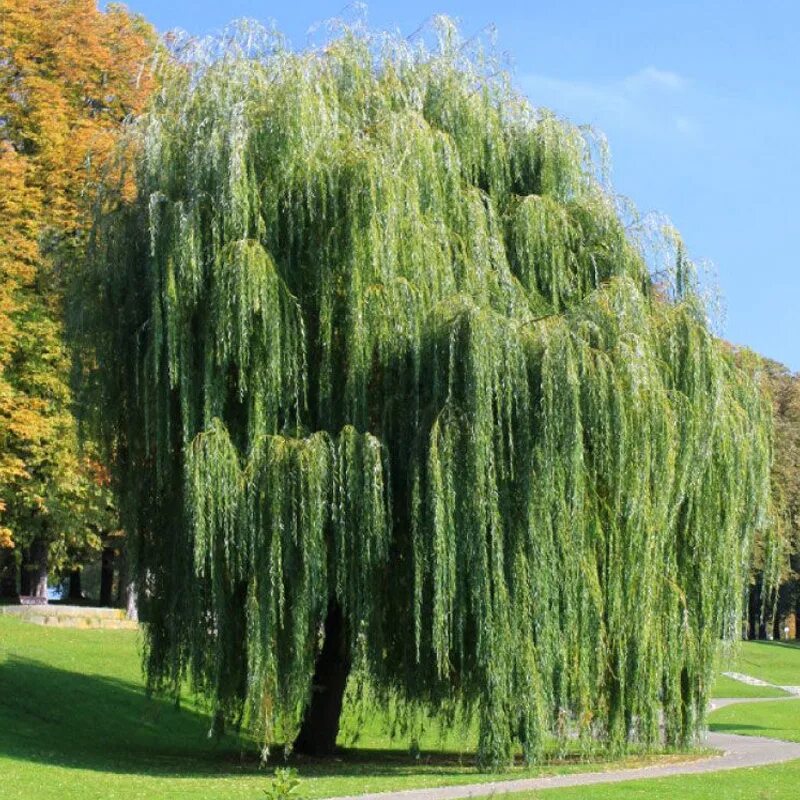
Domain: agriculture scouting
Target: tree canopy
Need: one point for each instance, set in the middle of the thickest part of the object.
(374, 339)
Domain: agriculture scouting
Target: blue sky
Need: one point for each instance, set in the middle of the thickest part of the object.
(700, 101)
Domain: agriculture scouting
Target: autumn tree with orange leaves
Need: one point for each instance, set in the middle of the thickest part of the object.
(70, 75)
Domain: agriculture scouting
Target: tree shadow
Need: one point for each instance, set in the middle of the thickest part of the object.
(96, 722)
(59, 717)
(791, 644)
(737, 727)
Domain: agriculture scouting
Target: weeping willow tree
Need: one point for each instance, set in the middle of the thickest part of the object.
(391, 386)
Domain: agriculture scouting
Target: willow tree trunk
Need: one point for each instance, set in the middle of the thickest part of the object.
(320, 726)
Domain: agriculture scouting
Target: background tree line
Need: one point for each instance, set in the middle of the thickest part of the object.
(779, 563)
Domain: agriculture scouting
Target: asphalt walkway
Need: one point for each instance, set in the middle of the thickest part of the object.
(736, 752)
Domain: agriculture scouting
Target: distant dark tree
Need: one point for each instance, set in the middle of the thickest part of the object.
(775, 577)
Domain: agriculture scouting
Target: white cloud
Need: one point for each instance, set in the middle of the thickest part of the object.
(651, 78)
(648, 100)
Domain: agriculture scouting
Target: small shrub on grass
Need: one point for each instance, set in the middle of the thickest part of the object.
(283, 785)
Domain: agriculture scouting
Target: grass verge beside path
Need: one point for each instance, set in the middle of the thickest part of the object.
(728, 687)
(75, 725)
(761, 783)
(780, 720)
(774, 662)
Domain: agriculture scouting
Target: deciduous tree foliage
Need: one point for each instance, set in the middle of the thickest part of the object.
(68, 77)
(775, 589)
(374, 336)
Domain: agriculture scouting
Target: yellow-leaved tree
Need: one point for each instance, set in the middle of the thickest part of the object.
(69, 77)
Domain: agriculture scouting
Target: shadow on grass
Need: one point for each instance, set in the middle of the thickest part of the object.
(737, 727)
(70, 719)
(792, 644)
(95, 722)
(55, 716)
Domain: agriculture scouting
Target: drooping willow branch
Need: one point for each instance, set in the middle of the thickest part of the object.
(321, 381)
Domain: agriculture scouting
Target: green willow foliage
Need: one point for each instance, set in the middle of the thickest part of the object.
(373, 331)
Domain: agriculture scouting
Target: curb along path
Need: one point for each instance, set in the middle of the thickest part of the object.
(738, 751)
(750, 681)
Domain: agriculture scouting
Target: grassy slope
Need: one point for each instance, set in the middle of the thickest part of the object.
(74, 723)
(774, 662)
(728, 687)
(780, 720)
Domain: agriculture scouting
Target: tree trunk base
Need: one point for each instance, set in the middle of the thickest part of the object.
(33, 580)
(320, 726)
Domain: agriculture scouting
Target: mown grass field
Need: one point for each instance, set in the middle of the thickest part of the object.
(779, 720)
(728, 687)
(763, 783)
(74, 723)
(774, 662)
(777, 663)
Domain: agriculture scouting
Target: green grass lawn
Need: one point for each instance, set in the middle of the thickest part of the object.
(779, 720)
(75, 723)
(728, 687)
(774, 662)
(780, 782)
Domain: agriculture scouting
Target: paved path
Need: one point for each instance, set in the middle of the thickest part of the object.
(721, 702)
(738, 751)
